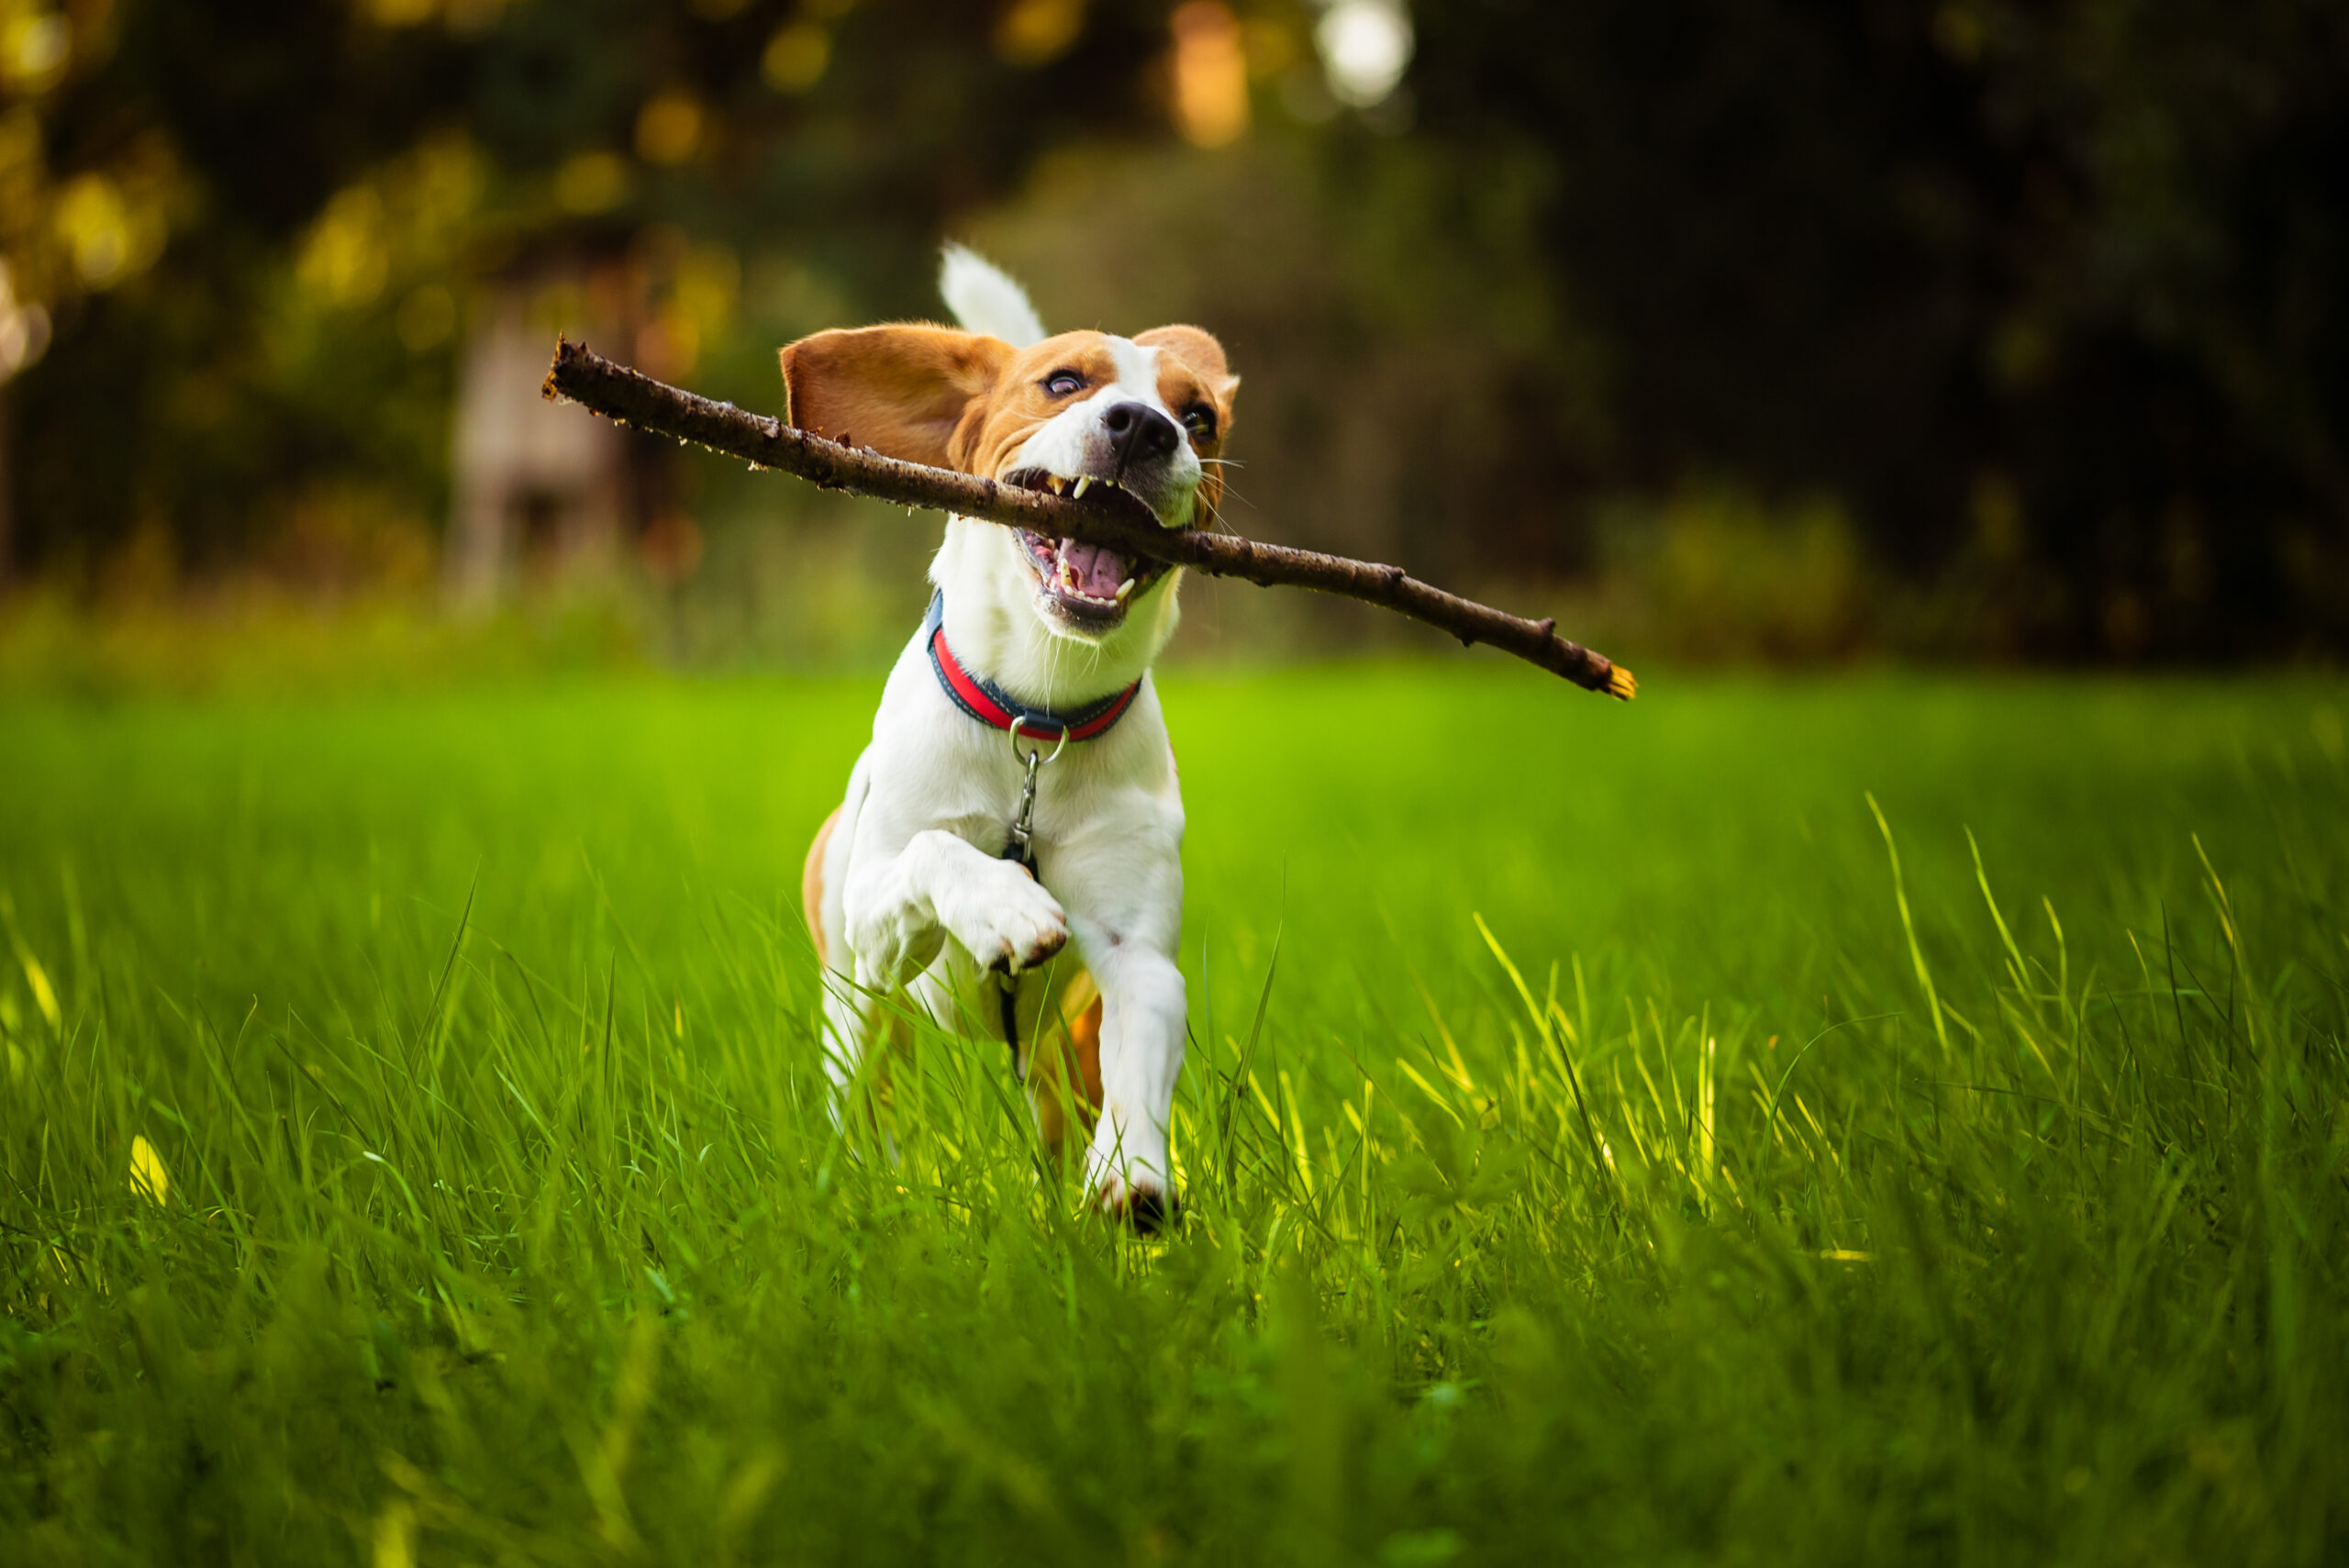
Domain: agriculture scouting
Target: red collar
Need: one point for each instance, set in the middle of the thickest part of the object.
(993, 706)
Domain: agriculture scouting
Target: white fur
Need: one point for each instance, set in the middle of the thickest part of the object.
(983, 299)
(914, 894)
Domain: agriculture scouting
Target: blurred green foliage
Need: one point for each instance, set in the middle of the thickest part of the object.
(2045, 303)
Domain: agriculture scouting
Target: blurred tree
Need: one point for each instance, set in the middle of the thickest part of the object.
(2052, 299)
(2057, 292)
(252, 224)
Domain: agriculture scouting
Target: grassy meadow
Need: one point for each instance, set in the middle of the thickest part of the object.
(1827, 1121)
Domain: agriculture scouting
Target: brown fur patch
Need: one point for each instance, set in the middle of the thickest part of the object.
(1064, 1075)
(902, 390)
(811, 884)
(1196, 351)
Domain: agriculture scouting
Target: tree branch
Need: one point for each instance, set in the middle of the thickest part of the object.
(1106, 517)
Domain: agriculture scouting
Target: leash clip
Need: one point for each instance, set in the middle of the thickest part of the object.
(1023, 826)
(1019, 853)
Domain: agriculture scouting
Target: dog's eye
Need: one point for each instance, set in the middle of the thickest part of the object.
(1063, 383)
(1200, 422)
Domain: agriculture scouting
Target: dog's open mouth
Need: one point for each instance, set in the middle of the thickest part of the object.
(1089, 581)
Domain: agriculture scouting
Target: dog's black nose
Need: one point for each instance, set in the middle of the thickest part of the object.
(1141, 432)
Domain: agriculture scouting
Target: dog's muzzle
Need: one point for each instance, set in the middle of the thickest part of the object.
(1091, 583)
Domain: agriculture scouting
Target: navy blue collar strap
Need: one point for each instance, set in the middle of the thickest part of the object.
(998, 710)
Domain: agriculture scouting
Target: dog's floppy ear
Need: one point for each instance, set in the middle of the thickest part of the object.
(1198, 349)
(904, 390)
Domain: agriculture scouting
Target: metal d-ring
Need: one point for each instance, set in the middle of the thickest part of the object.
(1035, 756)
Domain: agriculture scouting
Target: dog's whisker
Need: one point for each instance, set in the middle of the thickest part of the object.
(1215, 516)
(1215, 512)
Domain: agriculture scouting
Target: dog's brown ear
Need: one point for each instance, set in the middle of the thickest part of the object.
(902, 390)
(1197, 349)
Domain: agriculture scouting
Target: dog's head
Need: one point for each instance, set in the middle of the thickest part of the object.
(1147, 414)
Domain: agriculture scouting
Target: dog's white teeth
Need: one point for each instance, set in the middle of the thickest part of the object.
(1068, 576)
(1081, 486)
(1054, 481)
(1124, 588)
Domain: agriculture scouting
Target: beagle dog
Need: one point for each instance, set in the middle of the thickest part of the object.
(1019, 792)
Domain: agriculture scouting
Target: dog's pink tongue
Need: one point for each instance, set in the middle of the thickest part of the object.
(1098, 571)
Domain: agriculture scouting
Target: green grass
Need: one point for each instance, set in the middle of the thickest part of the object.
(1734, 1214)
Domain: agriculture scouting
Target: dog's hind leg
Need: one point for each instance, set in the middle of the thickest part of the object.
(811, 886)
(1064, 1075)
(850, 1012)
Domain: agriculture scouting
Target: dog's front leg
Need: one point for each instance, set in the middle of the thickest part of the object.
(1125, 895)
(1128, 1166)
(898, 911)
(901, 907)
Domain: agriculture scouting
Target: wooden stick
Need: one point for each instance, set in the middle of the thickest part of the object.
(1106, 517)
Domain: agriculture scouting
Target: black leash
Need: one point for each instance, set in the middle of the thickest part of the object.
(1020, 852)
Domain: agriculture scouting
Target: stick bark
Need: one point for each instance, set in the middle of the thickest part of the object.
(1105, 516)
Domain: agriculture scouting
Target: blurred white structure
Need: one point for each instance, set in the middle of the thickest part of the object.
(23, 327)
(24, 335)
(540, 488)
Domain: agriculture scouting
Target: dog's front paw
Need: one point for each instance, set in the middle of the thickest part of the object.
(1134, 1193)
(1013, 925)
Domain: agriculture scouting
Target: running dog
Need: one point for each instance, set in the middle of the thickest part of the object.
(1019, 791)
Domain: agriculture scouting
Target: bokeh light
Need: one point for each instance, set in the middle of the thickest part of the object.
(1210, 75)
(670, 128)
(23, 327)
(796, 56)
(1037, 32)
(1365, 45)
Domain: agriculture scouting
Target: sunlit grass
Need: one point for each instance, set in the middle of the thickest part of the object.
(1809, 1122)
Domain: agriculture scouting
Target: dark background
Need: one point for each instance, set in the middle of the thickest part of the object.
(1972, 330)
